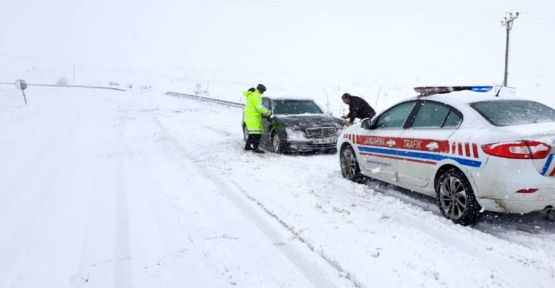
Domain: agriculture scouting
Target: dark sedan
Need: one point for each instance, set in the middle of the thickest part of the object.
(299, 125)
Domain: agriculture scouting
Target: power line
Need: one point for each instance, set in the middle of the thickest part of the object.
(429, 13)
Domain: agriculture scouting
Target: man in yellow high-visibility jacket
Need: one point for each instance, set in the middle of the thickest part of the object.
(252, 116)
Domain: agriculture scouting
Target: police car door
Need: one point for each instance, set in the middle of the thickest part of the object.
(377, 146)
(426, 142)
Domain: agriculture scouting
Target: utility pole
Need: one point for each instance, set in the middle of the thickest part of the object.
(508, 23)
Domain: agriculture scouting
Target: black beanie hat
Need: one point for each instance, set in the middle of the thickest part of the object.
(261, 88)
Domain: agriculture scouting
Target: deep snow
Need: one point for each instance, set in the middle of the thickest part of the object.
(119, 189)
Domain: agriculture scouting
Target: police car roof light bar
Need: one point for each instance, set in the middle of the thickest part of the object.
(431, 90)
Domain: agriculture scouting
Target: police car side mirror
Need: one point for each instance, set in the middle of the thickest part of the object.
(368, 124)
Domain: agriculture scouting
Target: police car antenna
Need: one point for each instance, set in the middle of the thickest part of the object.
(500, 87)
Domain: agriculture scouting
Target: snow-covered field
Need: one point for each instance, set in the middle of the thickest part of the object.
(119, 189)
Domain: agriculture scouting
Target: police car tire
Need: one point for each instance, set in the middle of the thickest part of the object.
(354, 175)
(472, 209)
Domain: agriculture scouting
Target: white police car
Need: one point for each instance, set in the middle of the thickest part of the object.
(471, 149)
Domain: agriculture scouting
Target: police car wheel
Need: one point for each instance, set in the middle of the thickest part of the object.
(276, 144)
(349, 165)
(456, 198)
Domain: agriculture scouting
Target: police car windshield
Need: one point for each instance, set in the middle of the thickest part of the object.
(514, 112)
(296, 107)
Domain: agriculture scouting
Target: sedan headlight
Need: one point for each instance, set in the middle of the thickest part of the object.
(295, 135)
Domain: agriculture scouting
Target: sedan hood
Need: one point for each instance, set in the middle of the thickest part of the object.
(301, 122)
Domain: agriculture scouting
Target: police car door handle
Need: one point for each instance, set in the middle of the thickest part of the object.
(432, 146)
(390, 143)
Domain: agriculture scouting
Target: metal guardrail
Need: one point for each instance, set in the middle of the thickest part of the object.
(68, 86)
(206, 99)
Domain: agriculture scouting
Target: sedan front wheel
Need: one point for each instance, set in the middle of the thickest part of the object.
(276, 144)
(245, 133)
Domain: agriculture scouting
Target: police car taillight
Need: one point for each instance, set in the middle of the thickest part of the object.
(518, 150)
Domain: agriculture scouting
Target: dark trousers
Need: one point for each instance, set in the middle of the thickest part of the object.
(253, 141)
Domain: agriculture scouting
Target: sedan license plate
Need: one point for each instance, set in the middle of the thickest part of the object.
(324, 140)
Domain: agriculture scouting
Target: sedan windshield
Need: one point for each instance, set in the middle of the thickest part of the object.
(296, 107)
(514, 112)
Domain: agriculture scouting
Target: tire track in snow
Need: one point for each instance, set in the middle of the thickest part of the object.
(514, 227)
(32, 223)
(315, 276)
(35, 162)
(298, 234)
(122, 254)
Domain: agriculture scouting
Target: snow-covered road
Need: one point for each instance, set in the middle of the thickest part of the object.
(113, 189)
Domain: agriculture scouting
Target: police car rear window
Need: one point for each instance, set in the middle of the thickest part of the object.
(514, 112)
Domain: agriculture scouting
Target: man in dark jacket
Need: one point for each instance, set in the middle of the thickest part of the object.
(358, 108)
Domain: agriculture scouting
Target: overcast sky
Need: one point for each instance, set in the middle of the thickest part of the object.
(452, 42)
